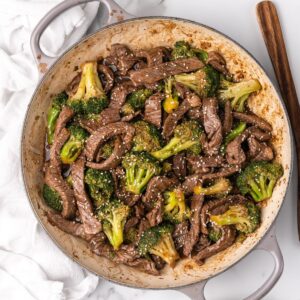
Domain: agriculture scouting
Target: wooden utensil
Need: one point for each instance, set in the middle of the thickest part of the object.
(272, 33)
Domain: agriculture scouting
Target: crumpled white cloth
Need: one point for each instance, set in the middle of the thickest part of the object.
(31, 266)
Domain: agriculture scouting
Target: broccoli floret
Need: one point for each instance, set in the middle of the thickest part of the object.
(158, 241)
(90, 98)
(74, 145)
(238, 92)
(214, 233)
(175, 208)
(170, 102)
(136, 101)
(131, 235)
(245, 217)
(221, 187)
(258, 179)
(183, 49)
(52, 198)
(140, 168)
(147, 137)
(186, 137)
(57, 103)
(113, 217)
(204, 82)
(235, 132)
(100, 185)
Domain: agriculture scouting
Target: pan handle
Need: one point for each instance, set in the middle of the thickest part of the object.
(43, 61)
(270, 244)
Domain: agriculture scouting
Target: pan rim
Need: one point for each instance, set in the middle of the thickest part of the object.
(87, 37)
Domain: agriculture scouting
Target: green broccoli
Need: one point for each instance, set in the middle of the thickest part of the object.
(204, 82)
(107, 149)
(158, 241)
(183, 49)
(214, 233)
(147, 137)
(52, 198)
(131, 235)
(57, 103)
(136, 101)
(74, 145)
(100, 185)
(258, 179)
(170, 102)
(238, 92)
(219, 188)
(140, 168)
(186, 137)
(175, 208)
(113, 217)
(235, 132)
(90, 98)
(245, 217)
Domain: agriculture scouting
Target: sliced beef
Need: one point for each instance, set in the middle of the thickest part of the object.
(191, 101)
(119, 94)
(234, 151)
(253, 120)
(155, 215)
(212, 125)
(193, 234)
(159, 262)
(108, 75)
(202, 164)
(260, 135)
(196, 114)
(179, 165)
(130, 117)
(180, 234)
(227, 239)
(153, 56)
(218, 206)
(143, 226)
(190, 182)
(145, 265)
(131, 222)
(228, 119)
(258, 150)
(225, 171)
(114, 159)
(156, 186)
(90, 223)
(71, 227)
(54, 179)
(100, 136)
(152, 74)
(73, 85)
(181, 90)
(153, 113)
(64, 117)
(217, 61)
(202, 243)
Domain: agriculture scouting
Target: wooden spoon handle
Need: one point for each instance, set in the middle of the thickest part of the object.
(272, 33)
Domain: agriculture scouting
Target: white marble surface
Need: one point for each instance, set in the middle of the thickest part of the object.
(237, 19)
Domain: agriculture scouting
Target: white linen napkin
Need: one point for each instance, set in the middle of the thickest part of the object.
(31, 266)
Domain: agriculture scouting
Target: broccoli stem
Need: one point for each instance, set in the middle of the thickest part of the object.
(51, 122)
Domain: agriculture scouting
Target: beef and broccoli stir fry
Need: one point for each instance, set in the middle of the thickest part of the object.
(156, 156)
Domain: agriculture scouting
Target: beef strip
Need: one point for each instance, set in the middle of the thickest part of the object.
(202, 243)
(54, 179)
(153, 112)
(225, 171)
(130, 117)
(179, 165)
(227, 239)
(114, 159)
(191, 100)
(196, 114)
(131, 222)
(109, 77)
(155, 73)
(64, 117)
(154, 56)
(119, 94)
(145, 265)
(217, 61)
(190, 182)
(212, 125)
(181, 90)
(217, 206)
(100, 136)
(159, 262)
(143, 226)
(201, 164)
(193, 234)
(73, 85)
(259, 151)
(254, 120)
(179, 234)
(155, 215)
(234, 152)
(90, 223)
(156, 186)
(71, 227)
(260, 135)
(228, 119)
